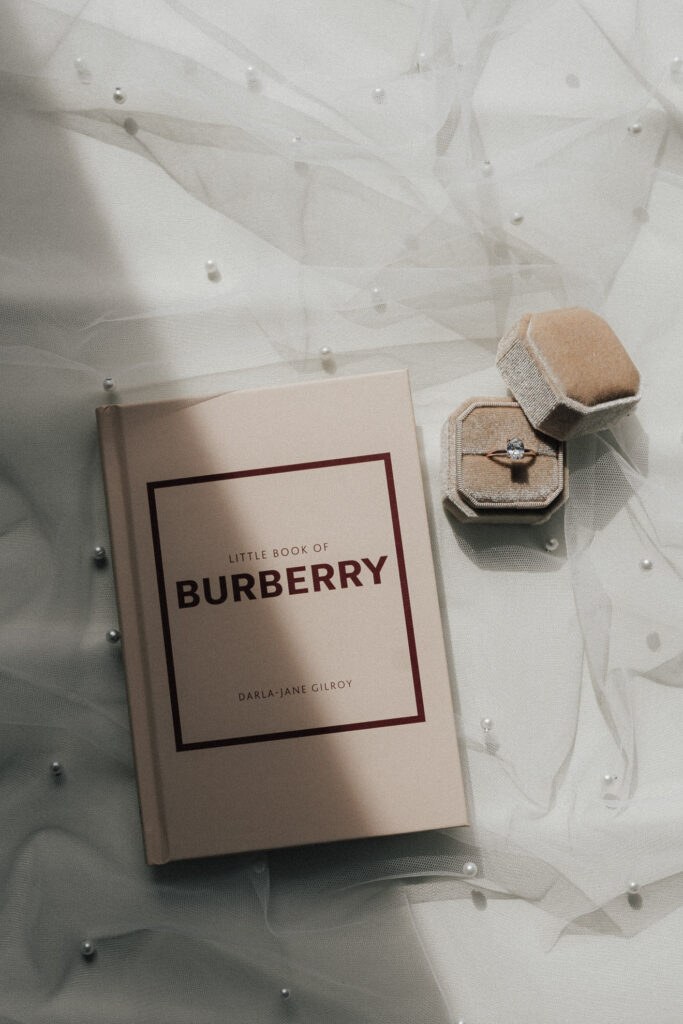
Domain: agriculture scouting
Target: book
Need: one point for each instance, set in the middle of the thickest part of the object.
(282, 643)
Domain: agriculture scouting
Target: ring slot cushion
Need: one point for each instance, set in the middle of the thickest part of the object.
(475, 486)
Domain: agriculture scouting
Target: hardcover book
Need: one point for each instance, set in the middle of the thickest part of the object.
(282, 643)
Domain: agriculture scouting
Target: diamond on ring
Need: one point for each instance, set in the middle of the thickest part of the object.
(515, 448)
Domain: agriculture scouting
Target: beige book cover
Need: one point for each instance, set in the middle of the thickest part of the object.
(282, 642)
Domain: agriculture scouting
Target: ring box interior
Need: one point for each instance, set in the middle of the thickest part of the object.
(484, 486)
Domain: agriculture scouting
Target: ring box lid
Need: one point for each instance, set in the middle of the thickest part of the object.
(569, 371)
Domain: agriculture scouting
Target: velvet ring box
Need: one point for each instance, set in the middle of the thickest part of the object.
(569, 374)
(479, 485)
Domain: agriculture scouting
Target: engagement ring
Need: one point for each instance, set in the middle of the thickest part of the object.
(513, 450)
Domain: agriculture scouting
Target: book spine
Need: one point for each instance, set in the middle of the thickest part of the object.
(131, 618)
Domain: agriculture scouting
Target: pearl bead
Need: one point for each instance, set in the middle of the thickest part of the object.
(252, 76)
(646, 564)
(379, 302)
(552, 544)
(211, 268)
(108, 383)
(56, 768)
(608, 778)
(486, 724)
(635, 128)
(676, 65)
(325, 352)
(378, 95)
(470, 869)
(119, 95)
(516, 217)
(460, 1020)
(285, 993)
(653, 641)
(633, 888)
(113, 636)
(82, 70)
(87, 948)
(299, 160)
(422, 61)
(99, 554)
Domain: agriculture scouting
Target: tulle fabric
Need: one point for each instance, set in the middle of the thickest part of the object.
(519, 156)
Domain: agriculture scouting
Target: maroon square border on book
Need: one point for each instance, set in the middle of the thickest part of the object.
(419, 716)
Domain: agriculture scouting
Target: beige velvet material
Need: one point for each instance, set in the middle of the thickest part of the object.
(584, 355)
(569, 371)
(477, 488)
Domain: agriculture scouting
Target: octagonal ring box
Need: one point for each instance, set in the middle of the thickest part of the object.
(569, 371)
(478, 487)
